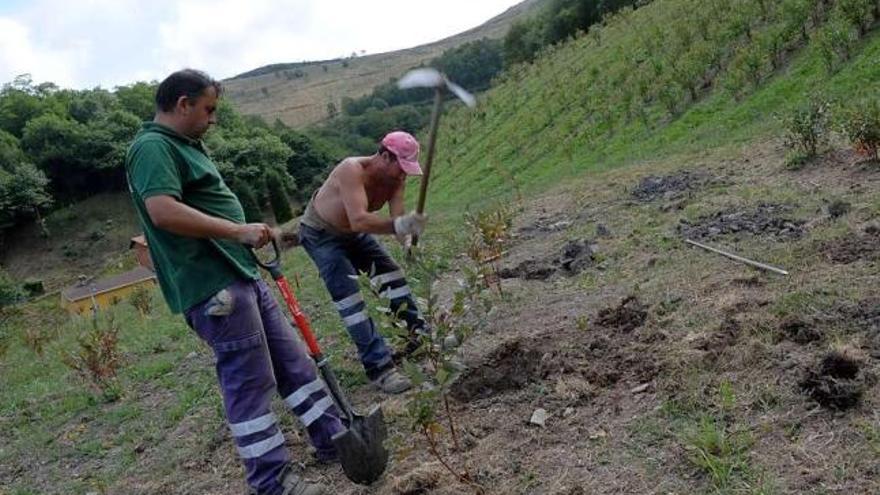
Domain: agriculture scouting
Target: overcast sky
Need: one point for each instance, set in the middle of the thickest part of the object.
(88, 43)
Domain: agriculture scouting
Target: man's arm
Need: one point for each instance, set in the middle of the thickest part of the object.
(167, 213)
(354, 199)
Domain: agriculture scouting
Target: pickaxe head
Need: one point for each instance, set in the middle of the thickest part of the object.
(432, 78)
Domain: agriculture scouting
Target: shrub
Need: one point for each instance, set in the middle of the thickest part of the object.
(97, 358)
(860, 123)
(142, 300)
(806, 127)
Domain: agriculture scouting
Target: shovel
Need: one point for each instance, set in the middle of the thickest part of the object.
(361, 447)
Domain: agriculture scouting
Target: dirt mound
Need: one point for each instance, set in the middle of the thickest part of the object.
(626, 316)
(765, 220)
(529, 270)
(799, 331)
(672, 186)
(853, 247)
(509, 367)
(836, 383)
(576, 256)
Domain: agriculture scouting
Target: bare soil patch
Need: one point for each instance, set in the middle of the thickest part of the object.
(669, 187)
(766, 220)
(853, 247)
(575, 256)
(510, 366)
(626, 316)
(835, 382)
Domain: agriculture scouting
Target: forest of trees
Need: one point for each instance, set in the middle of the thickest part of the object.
(58, 146)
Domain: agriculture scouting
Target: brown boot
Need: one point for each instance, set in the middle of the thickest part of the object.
(294, 485)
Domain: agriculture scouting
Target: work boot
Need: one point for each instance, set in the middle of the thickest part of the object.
(294, 485)
(392, 382)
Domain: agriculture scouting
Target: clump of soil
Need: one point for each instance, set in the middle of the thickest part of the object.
(672, 186)
(529, 270)
(725, 336)
(853, 247)
(575, 257)
(509, 367)
(836, 382)
(837, 209)
(765, 220)
(799, 331)
(626, 316)
(419, 481)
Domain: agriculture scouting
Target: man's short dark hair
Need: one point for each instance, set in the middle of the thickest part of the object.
(187, 82)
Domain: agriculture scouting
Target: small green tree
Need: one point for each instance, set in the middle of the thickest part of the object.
(97, 358)
(805, 130)
(278, 199)
(249, 204)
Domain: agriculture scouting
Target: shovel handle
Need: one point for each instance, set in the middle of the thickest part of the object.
(273, 266)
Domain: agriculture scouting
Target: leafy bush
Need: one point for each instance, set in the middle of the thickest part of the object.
(860, 123)
(806, 127)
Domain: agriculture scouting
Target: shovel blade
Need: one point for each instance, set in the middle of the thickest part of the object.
(361, 447)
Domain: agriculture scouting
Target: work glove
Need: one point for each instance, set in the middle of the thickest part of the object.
(404, 240)
(409, 224)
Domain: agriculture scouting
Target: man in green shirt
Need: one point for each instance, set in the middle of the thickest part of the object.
(198, 238)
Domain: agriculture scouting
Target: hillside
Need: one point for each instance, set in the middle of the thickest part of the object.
(298, 94)
(660, 368)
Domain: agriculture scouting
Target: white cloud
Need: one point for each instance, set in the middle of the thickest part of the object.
(88, 43)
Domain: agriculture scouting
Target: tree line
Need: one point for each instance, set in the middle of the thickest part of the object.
(59, 146)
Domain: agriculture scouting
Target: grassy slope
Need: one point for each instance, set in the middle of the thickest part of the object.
(169, 411)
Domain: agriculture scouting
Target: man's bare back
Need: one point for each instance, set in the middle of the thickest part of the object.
(356, 185)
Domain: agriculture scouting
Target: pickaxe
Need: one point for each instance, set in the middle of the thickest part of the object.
(432, 78)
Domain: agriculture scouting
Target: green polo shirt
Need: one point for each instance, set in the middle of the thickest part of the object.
(162, 162)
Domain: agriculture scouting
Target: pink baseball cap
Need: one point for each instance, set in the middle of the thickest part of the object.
(406, 148)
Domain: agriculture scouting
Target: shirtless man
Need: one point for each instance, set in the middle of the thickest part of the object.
(336, 231)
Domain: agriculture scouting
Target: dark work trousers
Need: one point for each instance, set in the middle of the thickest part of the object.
(339, 258)
(257, 354)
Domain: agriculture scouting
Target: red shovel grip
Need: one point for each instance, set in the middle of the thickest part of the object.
(301, 320)
(305, 329)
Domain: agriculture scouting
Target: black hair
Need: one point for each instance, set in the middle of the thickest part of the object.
(187, 82)
(383, 149)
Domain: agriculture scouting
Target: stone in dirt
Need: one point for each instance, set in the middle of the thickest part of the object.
(539, 417)
(626, 316)
(836, 382)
